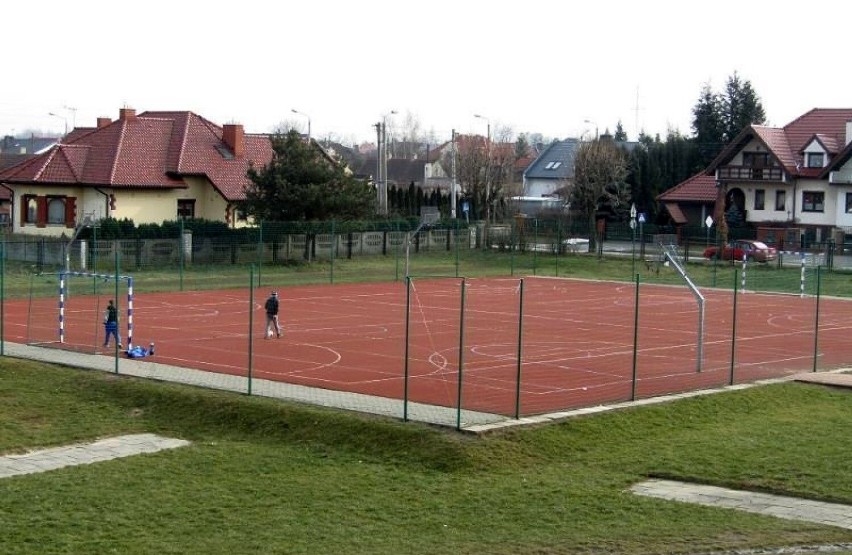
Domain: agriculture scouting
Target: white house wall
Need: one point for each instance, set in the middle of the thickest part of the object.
(842, 218)
(843, 174)
(541, 187)
(768, 214)
(827, 216)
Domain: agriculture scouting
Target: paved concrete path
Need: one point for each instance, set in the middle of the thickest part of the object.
(85, 453)
(830, 514)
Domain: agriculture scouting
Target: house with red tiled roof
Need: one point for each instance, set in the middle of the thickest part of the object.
(691, 201)
(151, 167)
(793, 183)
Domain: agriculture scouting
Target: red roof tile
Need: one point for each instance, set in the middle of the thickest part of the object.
(151, 150)
(698, 188)
(787, 143)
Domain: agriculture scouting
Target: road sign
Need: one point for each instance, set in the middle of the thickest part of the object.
(641, 217)
(709, 221)
(633, 211)
(633, 223)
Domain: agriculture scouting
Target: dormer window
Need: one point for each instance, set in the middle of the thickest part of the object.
(816, 159)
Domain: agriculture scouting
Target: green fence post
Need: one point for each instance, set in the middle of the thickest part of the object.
(117, 302)
(2, 295)
(635, 337)
(407, 338)
(512, 249)
(734, 330)
(181, 248)
(251, 327)
(457, 247)
(259, 253)
(558, 244)
(535, 247)
(461, 357)
(333, 248)
(520, 350)
(396, 278)
(94, 248)
(816, 318)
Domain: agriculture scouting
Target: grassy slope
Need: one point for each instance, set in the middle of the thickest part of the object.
(267, 477)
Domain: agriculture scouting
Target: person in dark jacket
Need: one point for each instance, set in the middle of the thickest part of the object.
(111, 324)
(272, 324)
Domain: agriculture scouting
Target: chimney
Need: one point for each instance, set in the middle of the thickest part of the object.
(103, 122)
(848, 132)
(234, 137)
(126, 113)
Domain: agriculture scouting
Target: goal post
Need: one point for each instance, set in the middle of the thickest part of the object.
(77, 323)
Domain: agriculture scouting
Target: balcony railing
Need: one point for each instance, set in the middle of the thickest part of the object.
(750, 173)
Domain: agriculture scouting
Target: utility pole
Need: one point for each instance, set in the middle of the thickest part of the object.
(453, 177)
(485, 229)
(384, 166)
(379, 180)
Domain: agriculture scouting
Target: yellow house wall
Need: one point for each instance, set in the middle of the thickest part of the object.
(142, 206)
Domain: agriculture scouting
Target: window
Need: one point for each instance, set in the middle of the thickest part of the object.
(759, 199)
(780, 201)
(552, 165)
(56, 210)
(29, 215)
(756, 159)
(186, 208)
(849, 203)
(815, 159)
(813, 201)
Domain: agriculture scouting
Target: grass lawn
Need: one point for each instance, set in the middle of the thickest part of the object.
(268, 477)
(19, 281)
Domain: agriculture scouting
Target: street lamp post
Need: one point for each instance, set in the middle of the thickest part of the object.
(487, 178)
(593, 123)
(63, 118)
(309, 121)
(383, 163)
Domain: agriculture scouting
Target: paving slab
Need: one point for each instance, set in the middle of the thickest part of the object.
(791, 508)
(836, 379)
(44, 460)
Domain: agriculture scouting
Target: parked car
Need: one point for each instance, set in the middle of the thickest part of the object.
(756, 251)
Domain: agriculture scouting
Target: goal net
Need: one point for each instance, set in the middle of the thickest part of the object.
(67, 310)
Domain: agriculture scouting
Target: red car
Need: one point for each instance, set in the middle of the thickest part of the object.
(756, 251)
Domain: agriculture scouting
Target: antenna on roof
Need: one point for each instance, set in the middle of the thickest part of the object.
(73, 116)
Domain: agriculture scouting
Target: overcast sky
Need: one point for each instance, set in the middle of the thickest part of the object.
(536, 66)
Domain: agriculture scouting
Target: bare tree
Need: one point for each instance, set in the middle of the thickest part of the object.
(502, 156)
(291, 124)
(405, 137)
(600, 169)
(471, 160)
(485, 170)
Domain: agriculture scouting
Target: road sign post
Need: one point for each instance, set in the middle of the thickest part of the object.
(633, 239)
(709, 223)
